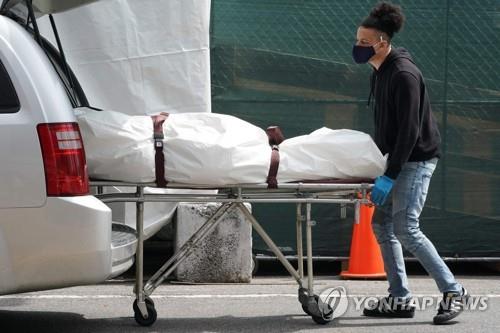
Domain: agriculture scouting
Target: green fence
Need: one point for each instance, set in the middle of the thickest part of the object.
(288, 63)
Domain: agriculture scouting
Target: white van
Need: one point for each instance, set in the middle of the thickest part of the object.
(53, 233)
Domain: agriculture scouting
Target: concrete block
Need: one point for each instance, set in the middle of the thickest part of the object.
(225, 255)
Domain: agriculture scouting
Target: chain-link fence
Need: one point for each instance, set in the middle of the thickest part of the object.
(288, 63)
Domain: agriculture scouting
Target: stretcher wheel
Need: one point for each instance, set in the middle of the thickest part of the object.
(306, 309)
(321, 320)
(148, 299)
(152, 315)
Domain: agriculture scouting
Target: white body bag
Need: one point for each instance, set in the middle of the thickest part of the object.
(217, 149)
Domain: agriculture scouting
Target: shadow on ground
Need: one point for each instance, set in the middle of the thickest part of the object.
(40, 322)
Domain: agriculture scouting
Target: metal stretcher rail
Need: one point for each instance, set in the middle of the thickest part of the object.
(234, 197)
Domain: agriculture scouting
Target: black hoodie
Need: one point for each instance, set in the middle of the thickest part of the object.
(404, 125)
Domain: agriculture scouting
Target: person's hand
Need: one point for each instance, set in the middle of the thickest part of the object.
(381, 190)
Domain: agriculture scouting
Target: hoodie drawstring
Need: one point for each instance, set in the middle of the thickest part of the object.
(372, 88)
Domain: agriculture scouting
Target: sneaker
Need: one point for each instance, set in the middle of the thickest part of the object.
(451, 306)
(391, 307)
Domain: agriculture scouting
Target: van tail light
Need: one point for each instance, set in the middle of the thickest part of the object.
(63, 159)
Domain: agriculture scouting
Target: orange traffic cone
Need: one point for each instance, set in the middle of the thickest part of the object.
(365, 261)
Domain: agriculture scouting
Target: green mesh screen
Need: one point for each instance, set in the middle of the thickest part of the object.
(288, 63)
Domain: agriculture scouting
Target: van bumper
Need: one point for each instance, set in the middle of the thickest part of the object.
(66, 242)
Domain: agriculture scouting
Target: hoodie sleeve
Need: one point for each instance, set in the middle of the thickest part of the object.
(406, 99)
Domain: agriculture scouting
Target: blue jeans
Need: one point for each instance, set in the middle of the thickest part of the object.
(396, 223)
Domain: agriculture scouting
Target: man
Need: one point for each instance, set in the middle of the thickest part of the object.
(406, 130)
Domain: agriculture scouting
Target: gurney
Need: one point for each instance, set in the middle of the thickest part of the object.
(303, 194)
(237, 163)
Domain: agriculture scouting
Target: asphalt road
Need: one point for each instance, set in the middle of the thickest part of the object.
(268, 304)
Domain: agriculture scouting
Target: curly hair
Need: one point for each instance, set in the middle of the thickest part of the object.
(385, 17)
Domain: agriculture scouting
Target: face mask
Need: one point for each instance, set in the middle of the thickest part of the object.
(361, 54)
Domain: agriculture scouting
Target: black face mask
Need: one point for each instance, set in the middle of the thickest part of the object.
(361, 54)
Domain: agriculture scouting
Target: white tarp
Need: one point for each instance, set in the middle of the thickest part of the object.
(215, 149)
(139, 57)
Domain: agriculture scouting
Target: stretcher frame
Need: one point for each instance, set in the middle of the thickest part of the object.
(233, 197)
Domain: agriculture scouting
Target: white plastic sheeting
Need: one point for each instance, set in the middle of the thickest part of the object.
(327, 153)
(139, 57)
(215, 149)
(199, 148)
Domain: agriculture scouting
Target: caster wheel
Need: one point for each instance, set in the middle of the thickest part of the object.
(148, 300)
(306, 310)
(151, 313)
(321, 320)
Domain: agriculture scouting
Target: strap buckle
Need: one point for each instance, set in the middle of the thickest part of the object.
(158, 138)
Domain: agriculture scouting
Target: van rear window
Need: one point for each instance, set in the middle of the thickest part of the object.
(9, 102)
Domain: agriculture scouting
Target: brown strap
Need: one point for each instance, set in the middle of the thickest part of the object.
(275, 135)
(272, 182)
(275, 138)
(158, 136)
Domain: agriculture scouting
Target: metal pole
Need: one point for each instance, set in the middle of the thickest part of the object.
(257, 227)
(139, 255)
(343, 211)
(186, 249)
(63, 56)
(31, 15)
(126, 197)
(357, 212)
(309, 250)
(300, 253)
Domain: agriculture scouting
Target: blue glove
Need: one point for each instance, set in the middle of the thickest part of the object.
(381, 190)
